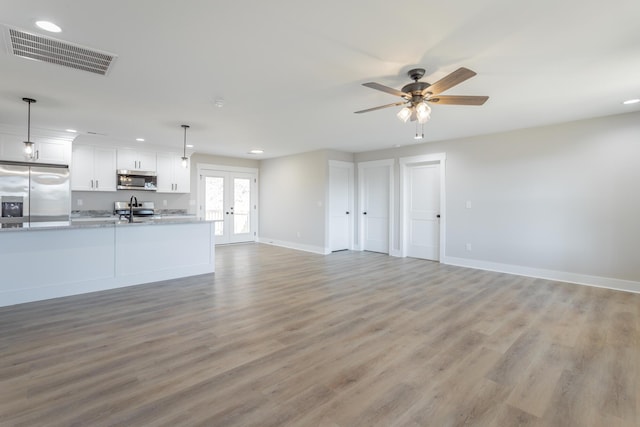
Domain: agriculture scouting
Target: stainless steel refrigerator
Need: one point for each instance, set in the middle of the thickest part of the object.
(32, 194)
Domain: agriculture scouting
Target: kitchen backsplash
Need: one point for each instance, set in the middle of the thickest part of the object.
(94, 201)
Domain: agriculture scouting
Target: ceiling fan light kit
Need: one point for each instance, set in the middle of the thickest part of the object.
(417, 95)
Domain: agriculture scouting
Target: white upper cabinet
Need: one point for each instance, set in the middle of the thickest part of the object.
(93, 168)
(172, 176)
(132, 159)
(46, 150)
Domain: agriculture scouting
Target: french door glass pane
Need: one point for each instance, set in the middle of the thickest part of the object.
(241, 205)
(214, 202)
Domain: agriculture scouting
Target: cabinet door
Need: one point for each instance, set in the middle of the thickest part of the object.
(11, 148)
(56, 152)
(182, 176)
(165, 165)
(147, 161)
(127, 158)
(104, 168)
(82, 168)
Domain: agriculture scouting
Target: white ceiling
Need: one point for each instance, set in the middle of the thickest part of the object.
(290, 72)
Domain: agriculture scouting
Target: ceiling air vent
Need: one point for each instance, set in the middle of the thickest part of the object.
(47, 49)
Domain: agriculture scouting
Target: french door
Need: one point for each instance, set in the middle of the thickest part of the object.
(228, 199)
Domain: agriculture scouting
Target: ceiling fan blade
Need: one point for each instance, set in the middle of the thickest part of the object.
(449, 81)
(459, 100)
(392, 91)
(380, 107)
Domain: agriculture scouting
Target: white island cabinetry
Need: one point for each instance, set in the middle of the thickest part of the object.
(93, 168)
(172, 176)
(50, 262)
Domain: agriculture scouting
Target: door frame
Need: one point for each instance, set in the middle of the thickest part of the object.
(389, 163)
(405, 164)
(351, 169)
(200, 167)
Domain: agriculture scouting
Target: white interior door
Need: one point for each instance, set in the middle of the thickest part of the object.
(340, 205)
(423, 211)
(375, 201)
(228, 199)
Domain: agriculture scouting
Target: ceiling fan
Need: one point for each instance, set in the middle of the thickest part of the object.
(416, 95)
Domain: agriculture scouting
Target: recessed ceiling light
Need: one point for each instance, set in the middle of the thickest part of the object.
(48, 26)
(71, 130)
(256, 151)
(631, 101)
(140, 139)
(189, 145)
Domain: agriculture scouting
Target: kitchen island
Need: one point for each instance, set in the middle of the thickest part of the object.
(50, 260)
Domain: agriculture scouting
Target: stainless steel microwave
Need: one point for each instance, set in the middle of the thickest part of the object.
(137, 180)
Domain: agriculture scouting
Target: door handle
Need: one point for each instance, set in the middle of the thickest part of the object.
(364, 213)
(347, 212)
(227, 213)
(438, 216)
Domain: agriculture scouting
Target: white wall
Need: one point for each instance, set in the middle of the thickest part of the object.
(563, 198)
(293, 199)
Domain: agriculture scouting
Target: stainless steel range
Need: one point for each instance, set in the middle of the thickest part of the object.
(140, 209)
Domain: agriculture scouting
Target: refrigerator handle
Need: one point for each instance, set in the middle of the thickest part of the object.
(91, 183)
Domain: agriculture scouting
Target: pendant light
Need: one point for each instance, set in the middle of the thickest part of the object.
(29, 147)
(185, 159)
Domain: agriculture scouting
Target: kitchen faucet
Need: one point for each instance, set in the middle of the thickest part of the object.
(133, 201)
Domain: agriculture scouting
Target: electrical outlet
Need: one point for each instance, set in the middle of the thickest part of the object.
(469, 247)
(468, 204)
(164, 203)
(80, 202)
(298, 234)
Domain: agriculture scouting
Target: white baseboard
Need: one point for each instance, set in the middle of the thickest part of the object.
(395, 252)
(293, 245)
(560, 276)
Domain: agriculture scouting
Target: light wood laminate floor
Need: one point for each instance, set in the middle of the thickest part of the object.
(285, 338)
